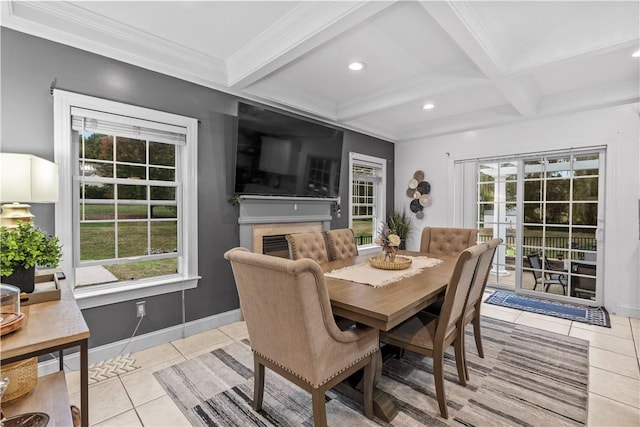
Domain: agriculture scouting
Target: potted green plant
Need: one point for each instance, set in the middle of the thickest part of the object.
(400, 224)
(21, 249)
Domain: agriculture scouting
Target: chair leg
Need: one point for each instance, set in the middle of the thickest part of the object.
(464, 354)
(368, 389)
(438, 376)
(477, 334)
(319, 410)
(258, 386)
(458, 346)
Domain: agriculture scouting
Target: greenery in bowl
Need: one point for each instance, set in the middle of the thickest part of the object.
(27, 246)
(400, 223)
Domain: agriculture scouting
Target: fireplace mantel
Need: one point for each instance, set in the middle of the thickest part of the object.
(256, 211)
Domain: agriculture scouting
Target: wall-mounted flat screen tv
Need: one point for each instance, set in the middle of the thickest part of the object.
(279, 154)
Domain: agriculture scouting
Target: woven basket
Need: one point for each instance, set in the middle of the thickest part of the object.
(400, 263)
(23, 377)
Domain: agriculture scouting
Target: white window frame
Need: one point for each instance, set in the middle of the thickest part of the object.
(380, 207)
(97, 295)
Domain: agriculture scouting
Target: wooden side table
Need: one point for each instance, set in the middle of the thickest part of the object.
(50, 326)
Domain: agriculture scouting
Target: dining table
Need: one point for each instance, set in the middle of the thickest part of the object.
(384, 307)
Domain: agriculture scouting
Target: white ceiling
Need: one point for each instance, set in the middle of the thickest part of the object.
(480, 63)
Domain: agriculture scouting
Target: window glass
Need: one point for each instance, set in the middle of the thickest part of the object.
(367, 197)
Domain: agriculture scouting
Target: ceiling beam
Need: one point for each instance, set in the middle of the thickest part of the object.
(458, 21)
(307, 26)
(418, 89)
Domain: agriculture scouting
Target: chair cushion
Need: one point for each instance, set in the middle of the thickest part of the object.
(308, 245)
(341, 244)
(447, 241)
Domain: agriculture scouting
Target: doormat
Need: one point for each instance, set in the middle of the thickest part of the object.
(598, 316)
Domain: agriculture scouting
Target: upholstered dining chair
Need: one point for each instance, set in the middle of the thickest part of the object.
(447, 241)
(430, 335)
(292, 332)
(341, 244)
(308, 245)
(474, 300)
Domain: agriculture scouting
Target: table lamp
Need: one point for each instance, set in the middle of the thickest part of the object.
(25, 178)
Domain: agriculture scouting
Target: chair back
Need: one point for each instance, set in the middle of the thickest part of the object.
(308, 245)
(455, 298)
(341, 244)
(288, 313)
(535, 264)
(447, 241)
(482, 273)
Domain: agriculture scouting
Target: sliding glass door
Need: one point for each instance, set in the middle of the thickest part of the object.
(548, 211)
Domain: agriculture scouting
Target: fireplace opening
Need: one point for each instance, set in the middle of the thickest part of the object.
(275, 245)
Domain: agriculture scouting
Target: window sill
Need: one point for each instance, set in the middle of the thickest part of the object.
(96, 296)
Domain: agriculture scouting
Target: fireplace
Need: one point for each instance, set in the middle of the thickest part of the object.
(273, 217)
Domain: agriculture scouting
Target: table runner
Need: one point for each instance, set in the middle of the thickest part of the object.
(366, 273)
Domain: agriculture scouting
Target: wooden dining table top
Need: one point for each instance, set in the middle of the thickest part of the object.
(387, 306)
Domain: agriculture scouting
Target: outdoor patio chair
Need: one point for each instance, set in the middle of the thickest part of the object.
(549, 277)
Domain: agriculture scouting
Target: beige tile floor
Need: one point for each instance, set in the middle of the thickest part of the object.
(136, 398)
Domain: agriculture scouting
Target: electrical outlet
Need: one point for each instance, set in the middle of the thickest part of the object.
(141, 309)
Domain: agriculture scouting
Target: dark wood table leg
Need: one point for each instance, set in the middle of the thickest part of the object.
(383, 405)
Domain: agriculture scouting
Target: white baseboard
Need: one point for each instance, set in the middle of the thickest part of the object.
(142, 342)
(624, 310)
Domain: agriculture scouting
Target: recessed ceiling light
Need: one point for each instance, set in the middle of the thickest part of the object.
(636, 54)
(357, 66)
(428, 106)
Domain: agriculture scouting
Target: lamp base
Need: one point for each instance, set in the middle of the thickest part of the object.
(12, 213)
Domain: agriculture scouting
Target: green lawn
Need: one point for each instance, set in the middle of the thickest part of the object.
(98, 240)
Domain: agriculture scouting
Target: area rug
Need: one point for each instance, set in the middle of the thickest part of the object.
(579, 313)
(528, 377)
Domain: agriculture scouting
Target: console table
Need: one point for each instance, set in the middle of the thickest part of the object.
(50, 326)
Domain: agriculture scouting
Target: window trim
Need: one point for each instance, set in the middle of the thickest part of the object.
(93, 296)
(380, 198)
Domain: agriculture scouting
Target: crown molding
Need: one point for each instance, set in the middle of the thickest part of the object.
(69, 24)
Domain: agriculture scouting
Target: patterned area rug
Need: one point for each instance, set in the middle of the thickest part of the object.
(598, 316)
(528, 377)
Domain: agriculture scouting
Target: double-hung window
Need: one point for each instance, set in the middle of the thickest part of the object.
(367, 176)
(127, 212)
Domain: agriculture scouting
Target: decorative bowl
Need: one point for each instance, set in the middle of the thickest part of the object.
(400, 263)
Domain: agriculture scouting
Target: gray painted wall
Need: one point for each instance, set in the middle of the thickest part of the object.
(30, 65)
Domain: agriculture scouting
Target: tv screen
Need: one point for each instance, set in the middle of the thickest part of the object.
(278, 154)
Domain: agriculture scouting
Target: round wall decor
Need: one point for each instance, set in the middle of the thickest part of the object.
(415, 206)
(418, 191)
(424, 187)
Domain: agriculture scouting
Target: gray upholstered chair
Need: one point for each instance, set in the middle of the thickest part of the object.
(292, 332)
(430, 334)
(341, 244)
(474, 301)
(308, 245)
(447, 241)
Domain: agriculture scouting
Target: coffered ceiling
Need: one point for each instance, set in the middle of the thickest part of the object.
(479, 63)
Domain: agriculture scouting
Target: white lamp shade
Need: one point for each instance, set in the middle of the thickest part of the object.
(27, 178)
